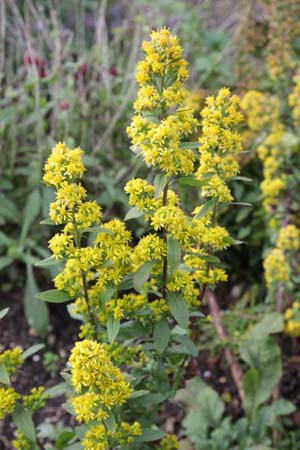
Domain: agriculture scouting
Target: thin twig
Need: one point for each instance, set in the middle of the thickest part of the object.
(235, 368)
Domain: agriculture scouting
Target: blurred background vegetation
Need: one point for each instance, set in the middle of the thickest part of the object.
(67, 73)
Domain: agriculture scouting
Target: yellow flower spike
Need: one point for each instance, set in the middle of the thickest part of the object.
(289, 238)
(276, 267)
(218, 141)
(8, 398)
(162, 119)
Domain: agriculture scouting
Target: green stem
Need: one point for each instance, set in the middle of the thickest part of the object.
(165, 261)
(84, 281)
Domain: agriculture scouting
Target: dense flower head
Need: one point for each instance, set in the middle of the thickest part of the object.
(261, 110)
(36, 399)
(11, 359)
(276, 267)
(142, 196)
(149, 248)
(100, 386)
(162, 118)
(99, 438)
(63, 165)
(294, 101)
(21, 442)
(8, 398)
(283, 20)
(92, 368)
(292, 320)
(219, 142)
(289, 238)
(127, 306)
(169, 442)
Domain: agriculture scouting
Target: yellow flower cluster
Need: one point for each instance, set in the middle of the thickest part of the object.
(8, 398)
(169, 442)
(21, 442)
(142, 196)
(88, 269)
(276, 267)
(150, 247)
(277, 263)
(11, 359)
(101, 386)
(294, 101)
(36, 399)
(128, 306)
(63, 166)
(162, 119)
(261, 110)
(98, 438)
(283, 20)
(289, 238)
(272, 152)
(92, 369)
(292, 320)
(219, 143)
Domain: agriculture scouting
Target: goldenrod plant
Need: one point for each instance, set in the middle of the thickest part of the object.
(139, 301)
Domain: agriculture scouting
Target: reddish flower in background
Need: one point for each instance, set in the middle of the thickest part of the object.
(63, 106)
(81, 72)
(113, 71)
(39, 63)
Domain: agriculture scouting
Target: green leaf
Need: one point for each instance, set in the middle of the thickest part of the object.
(209, 258)
(139, 393)
(3, 312)
(282, 407)
(64, 438)
(173, 254)
(7, 114)
(179, 309)
(251, 383)
(31, 211)
(47, 262)
(191, 181)
(142, 275)
(76, 446)
(271, 323)
(47, 222)
(107, 294)
(263, 355)
(160, 182)
(150, 434)
(133, 213)
(207, 208)
(67, 377)
(4, 376)
(151, 117)
(111, 423)
(57, 390)
(161, 335)
(22, 418)
(5, 261)
(249, 205)
(113, 328)
(8, 210)
(190, 145)
(187, 346)
(239, 178)
(32, 350)
(36, 312)
(206, 410)
(54, 296)
(126, 283)
(100, 230)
